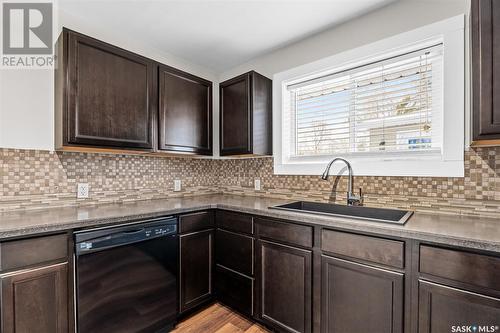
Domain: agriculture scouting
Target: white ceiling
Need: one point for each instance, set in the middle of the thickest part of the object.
(216, 34)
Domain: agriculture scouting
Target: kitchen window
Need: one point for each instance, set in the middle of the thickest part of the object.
(392, 105)
(398, 111)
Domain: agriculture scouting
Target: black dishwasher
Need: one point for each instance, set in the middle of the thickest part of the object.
(126, 277)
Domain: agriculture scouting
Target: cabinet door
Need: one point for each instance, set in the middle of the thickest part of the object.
(357, 298)
(442, 308)
(284, 278)
(485, 16)
(196, 262)
(110, 95)
(185, 112)
(235, 116)
(35, 300)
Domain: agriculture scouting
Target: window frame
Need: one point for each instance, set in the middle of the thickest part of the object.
(448, 163)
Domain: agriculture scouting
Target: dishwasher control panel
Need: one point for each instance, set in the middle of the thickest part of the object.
(100, 239)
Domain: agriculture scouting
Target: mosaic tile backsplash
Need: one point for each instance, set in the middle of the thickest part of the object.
(478, 193)
(39, 179)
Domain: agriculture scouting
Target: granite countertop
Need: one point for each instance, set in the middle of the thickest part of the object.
(471, 232)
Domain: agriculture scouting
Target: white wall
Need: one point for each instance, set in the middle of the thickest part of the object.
(388, 21)
(26, 109)
(27, 96)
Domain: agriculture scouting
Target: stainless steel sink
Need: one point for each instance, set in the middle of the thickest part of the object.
(357, 212)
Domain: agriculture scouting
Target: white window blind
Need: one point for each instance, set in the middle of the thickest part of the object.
(388, 106)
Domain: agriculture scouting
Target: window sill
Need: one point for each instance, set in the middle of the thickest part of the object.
(422, 167)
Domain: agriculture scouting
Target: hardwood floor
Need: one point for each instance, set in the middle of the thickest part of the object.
(218, 319)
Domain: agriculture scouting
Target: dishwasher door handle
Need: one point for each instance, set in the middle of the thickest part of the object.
(133, 231)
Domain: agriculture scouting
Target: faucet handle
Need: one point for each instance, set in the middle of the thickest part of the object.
(355, 200)
(360, 196)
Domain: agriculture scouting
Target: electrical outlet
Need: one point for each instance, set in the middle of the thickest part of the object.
(177, 185)
(256, 184)
(82, 191)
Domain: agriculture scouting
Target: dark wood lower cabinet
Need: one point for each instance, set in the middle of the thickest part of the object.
(443, 309)
(343, 289)
(196, 264)
(358, 298)
(235, 290)
(35, 300)
(235, 251)
(284, 276)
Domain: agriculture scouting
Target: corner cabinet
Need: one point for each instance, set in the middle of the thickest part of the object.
(485, 16)
(104, 95)
(185, 112)
(246, 115)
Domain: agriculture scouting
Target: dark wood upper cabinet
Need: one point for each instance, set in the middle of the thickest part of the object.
(104, 95)
(108, 97)
(441, 308)
(246, 115)
(485, 17)
(284, 292)
(185, 112)
(360, 298)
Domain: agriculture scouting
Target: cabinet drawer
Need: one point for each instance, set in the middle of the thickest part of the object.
(235, 222)
(234, 290)
(234, 251)
(196, 221)
(475, 269)
(291, 233)
(377, 250)
(25, 252)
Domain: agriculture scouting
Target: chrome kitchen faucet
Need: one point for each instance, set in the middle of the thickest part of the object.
(352, 199)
